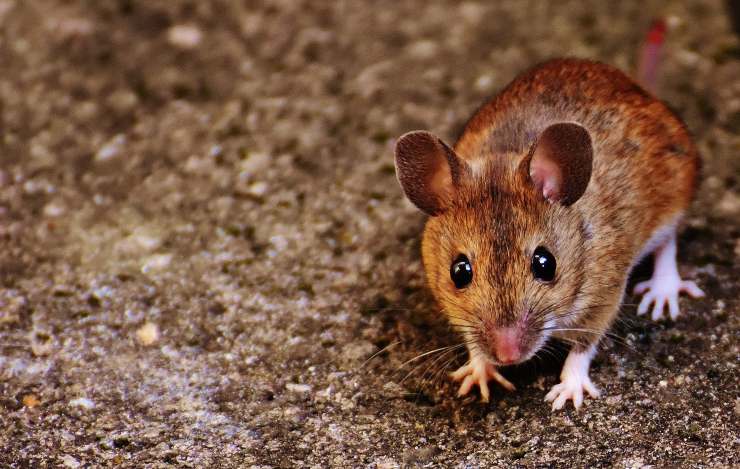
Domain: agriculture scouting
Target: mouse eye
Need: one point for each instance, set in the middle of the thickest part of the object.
(543, 265)
(461, 271)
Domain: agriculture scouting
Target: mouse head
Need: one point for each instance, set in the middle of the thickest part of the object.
(503, 246)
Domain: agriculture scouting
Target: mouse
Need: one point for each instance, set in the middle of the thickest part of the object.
(555, 189)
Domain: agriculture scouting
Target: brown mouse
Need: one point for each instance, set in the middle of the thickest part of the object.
(556, 188)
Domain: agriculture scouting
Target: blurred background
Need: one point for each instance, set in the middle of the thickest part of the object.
(202, 239)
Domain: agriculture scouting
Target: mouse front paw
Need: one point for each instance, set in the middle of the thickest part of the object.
(659, 291)
(479, 371)
(574, 380)
(571, 388)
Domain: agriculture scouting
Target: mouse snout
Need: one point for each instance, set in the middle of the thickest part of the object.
(507, 345)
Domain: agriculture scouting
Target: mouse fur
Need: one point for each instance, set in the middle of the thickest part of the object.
(574, 156)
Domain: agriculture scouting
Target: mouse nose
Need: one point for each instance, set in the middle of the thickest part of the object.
(507, 345)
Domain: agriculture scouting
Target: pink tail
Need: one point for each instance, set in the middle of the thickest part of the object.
(650, 55)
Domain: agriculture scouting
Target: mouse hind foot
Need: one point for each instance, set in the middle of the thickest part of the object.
(666, 284)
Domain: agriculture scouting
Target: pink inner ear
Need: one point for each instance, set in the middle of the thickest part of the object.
(440, 183)
(547, 177)
(560, 166)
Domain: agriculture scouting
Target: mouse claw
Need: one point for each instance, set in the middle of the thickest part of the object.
(479, 371)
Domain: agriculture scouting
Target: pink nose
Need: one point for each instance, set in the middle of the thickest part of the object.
(506, 345)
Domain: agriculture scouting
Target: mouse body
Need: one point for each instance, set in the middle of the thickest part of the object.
(555, 189)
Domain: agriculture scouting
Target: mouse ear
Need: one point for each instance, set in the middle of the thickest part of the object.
(428, 171)
(560, 162)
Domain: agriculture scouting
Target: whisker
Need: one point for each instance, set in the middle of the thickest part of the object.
(384, 349)
(429, 353)
(445, 356)
(441, 371)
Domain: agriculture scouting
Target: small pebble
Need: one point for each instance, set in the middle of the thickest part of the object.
(147, 334)
(156, 262)
(69, 461)
(184, 36)
(54, 209)
(729, 203)
(33, 187)
(298, 388)
(484, 83)
(258, 189)
(387, 463)
(111, 149)
(83, 402)
(144, 240)
(31, 401)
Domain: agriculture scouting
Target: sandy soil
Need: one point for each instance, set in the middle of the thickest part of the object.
(202, 240)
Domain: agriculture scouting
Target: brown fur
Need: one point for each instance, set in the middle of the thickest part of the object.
(643, 178)
(426, 168)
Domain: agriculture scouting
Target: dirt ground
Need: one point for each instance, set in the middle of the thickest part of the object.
(203, 243)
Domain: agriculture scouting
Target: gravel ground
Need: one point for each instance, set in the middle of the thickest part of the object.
(203, 243)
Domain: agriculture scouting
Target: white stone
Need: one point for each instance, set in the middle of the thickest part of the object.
(145, 240)
(54, 209)
(111, 149)
(298, 388)
(147, 334)
(484, 83)
(185, 36)
(83, 402)
(258, 189)
(69, 461)
(156, 262)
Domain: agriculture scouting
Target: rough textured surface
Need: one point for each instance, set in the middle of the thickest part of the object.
(202, 241)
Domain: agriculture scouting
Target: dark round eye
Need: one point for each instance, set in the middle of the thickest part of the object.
(461, 271)
(543, 265)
